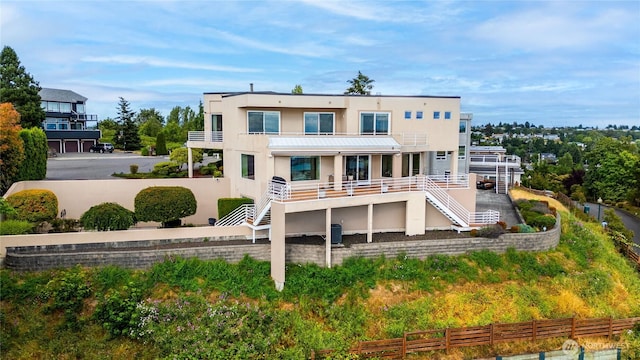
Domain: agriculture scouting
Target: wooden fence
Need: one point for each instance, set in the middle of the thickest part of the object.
(450, 338)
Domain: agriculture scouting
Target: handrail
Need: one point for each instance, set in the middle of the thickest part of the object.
(212, 136)
(237, 216)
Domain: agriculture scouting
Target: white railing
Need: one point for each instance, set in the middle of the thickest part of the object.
(457, 211)
(238, 216)
(493, 159)
(451, 181)
(485, 217)
(210, 136)
(411, 139)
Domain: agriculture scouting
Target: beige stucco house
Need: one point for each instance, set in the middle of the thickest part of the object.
(333, 164)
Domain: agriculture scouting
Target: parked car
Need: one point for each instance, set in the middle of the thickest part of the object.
(101, 148)
(485, 184)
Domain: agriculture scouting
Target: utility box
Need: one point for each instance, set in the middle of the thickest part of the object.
(336, 234)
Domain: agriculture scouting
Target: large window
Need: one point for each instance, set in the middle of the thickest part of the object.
(248, 167)
(463, 127)
(263, 122)
(216, 122)
(56, 124)
(65, 107)
(374, 123)
(305, 168)
(462, 152)
(318, 123)
(80, 108)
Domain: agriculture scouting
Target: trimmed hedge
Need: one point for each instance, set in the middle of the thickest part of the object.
(164, 204)
(108, 216)
(166, 168)
(35, 205)
(227, 205)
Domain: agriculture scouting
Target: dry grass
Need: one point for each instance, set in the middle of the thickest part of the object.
(518, 194)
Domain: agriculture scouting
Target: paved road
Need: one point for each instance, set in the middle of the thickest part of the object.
(630, 222)
(94, 166)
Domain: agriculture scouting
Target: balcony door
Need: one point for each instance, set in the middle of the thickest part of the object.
(357, 169)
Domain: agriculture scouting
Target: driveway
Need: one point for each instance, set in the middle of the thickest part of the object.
(489, 200)
(95, 166)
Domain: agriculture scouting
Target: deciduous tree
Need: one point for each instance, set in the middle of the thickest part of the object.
(20, 89)
(11, 146)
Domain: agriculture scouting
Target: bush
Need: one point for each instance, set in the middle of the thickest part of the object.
(208, 169)
(133, 168)
(491, 232)
(524, 228)
(36, 150)
(166, 168)
(15, 227)
(543, 221)
(217, 173)
(144, 151)
(34, 205)
(227, 205)
(181, 155)
(108, 216)
(64, 225)
(164, 204)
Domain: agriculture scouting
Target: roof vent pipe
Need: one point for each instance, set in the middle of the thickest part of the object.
(251, 87)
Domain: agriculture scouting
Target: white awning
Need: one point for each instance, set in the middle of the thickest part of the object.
(332, 145)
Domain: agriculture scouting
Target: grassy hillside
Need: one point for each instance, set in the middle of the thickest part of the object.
(186, 308)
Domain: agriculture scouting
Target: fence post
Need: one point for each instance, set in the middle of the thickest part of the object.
(404, 346)
(610, 327)
(447, 337)
(534, 330)
(573, 327)
(491, 336)
(313, 354)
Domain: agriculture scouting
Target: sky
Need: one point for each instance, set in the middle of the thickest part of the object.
(551, 63)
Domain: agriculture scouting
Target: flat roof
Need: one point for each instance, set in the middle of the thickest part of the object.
(229, 94)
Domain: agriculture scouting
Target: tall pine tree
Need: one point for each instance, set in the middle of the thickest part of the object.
(18, 87)
(127, 137)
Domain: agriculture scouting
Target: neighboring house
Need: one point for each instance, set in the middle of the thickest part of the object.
(67, 122)
(332, 164)
(549, 157)
(493, 163)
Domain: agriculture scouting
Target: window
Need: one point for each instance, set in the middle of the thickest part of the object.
(305, 168)
(436, 115)
(441, 155)
(374, 123)
(65, 107)
(43, 105)
(248, 166)
(447, 115)
(216, 122)
(463, 127)
(387, 165)
(419, 115)
(80, 108)
(318, 123)
(53, 106)
(462, 152)
(56, 124)
(263, 122)
(407, 115)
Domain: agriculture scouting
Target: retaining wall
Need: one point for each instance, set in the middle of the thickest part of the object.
(143, 254)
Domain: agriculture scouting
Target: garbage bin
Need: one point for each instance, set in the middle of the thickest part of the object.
(336, 234)
(586, 209)
(212, 221)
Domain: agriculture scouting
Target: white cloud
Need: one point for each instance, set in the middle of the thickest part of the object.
(150, 61)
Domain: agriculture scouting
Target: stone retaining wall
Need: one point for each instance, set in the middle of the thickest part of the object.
(143, 254)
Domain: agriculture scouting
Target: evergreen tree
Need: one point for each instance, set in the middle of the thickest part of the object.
(127, 138)
(361, 85)
(297, 89)
(18, 87)
(161, 144)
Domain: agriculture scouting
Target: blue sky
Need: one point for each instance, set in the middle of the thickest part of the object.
(553, 63)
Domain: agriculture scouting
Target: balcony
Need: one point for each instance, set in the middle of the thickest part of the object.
(205, 136)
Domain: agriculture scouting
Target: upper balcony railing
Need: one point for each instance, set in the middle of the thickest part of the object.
(404, 139)
(493, 159)
(208, 136)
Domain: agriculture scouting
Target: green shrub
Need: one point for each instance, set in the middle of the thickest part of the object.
(144, 151)
(217, 173)
(166, 168)
(108, 216)
(66, 292)
(117, 311)
(133, 168)
(6, 209)
(524, 228)
(35, 150)
(34, 205)
(208, 169)
(164, 204)
(227, 205)
(64, 225)
(543, 221)
(15, 227)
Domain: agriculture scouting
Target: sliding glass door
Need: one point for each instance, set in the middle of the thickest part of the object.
(357, 169)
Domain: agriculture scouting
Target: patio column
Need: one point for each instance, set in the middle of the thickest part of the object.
(190, 161)
(337, 172)
(327, 245)
(454, 164)
(415, 217)
(278, 250)
(370, 223)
